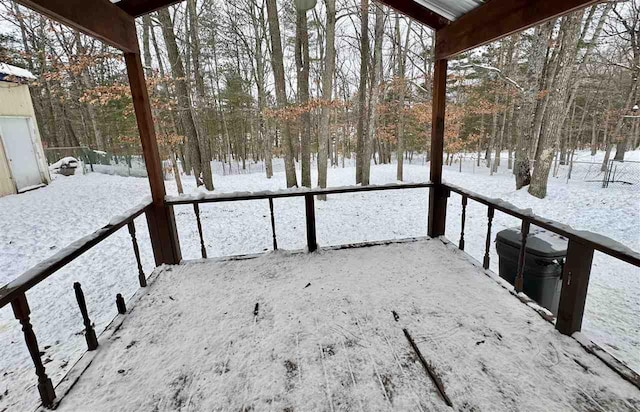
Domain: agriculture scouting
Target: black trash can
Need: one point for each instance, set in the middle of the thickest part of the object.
(544, 259)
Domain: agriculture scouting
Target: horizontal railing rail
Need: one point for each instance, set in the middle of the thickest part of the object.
(295, 192)
(308, 194)
(49, 266)
(576, 269)
(593, 240)
(14, 292)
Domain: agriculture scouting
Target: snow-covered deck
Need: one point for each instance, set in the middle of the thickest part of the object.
(326, 338)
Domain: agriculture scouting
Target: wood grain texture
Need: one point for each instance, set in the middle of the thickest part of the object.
(575, 283)
(161, 222)
(438, 194)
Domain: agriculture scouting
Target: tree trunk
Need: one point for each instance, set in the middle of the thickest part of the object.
(327, 87)
(258, 22)
(203, 139)
(526, 125)
(401, 68)
(569, 30)
(374, 89)
(594, 134)
(302, 64)
(281, 92)
(176, 172)
(146, 44)
(494, 131)
(184, 101)
(362, 128)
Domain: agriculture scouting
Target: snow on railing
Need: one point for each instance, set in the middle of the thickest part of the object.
(599, 242)
(14, 292)
(575, 272)
(207, 197)
(307, 193)
(48, 266)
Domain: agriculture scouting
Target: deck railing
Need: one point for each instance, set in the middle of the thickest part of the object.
(308, 194)
(576, 269)
(14, 292)
(575, 278)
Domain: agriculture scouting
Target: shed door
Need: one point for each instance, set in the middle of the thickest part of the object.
(18, 145)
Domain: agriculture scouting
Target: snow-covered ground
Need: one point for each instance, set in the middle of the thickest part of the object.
(36, 224)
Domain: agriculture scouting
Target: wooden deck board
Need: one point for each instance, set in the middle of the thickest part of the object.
(325, 339)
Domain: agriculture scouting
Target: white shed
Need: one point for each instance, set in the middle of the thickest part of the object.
(23, 165)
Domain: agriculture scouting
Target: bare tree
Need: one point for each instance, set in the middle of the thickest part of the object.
(327, 87)
(277, 65)
(302, 66)
(549, 137)
(362, 128)
(401, 64)
(200, 163)
(374, 91)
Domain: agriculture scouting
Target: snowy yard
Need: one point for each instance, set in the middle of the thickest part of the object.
(35, 225)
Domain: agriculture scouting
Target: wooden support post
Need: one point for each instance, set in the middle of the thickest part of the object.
(162, 225)
(437, 194)
(89, 332)
(45, 386)
(310, 210)
(142, 279)
(575, 282)
(273, 225)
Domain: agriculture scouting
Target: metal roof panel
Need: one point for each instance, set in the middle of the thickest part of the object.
(450, 9)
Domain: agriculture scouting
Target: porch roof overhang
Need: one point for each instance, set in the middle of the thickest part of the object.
(461, 25)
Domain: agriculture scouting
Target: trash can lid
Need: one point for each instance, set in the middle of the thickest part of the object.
(540, 242)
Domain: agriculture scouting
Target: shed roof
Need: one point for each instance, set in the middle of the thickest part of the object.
(9, 73)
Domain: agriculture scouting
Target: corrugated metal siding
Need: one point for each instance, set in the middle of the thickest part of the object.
(451, 9)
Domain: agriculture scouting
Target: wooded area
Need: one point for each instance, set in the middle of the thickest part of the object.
(250, 80)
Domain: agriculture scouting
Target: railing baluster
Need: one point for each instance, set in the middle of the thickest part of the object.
(575, 282)
(45, 386)
(120, 305)
(89, 332)
(485, 263)
(132, 231)
(312, 244)
(203, 249)
(273, 225)
(524, 232)
(464, 218)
